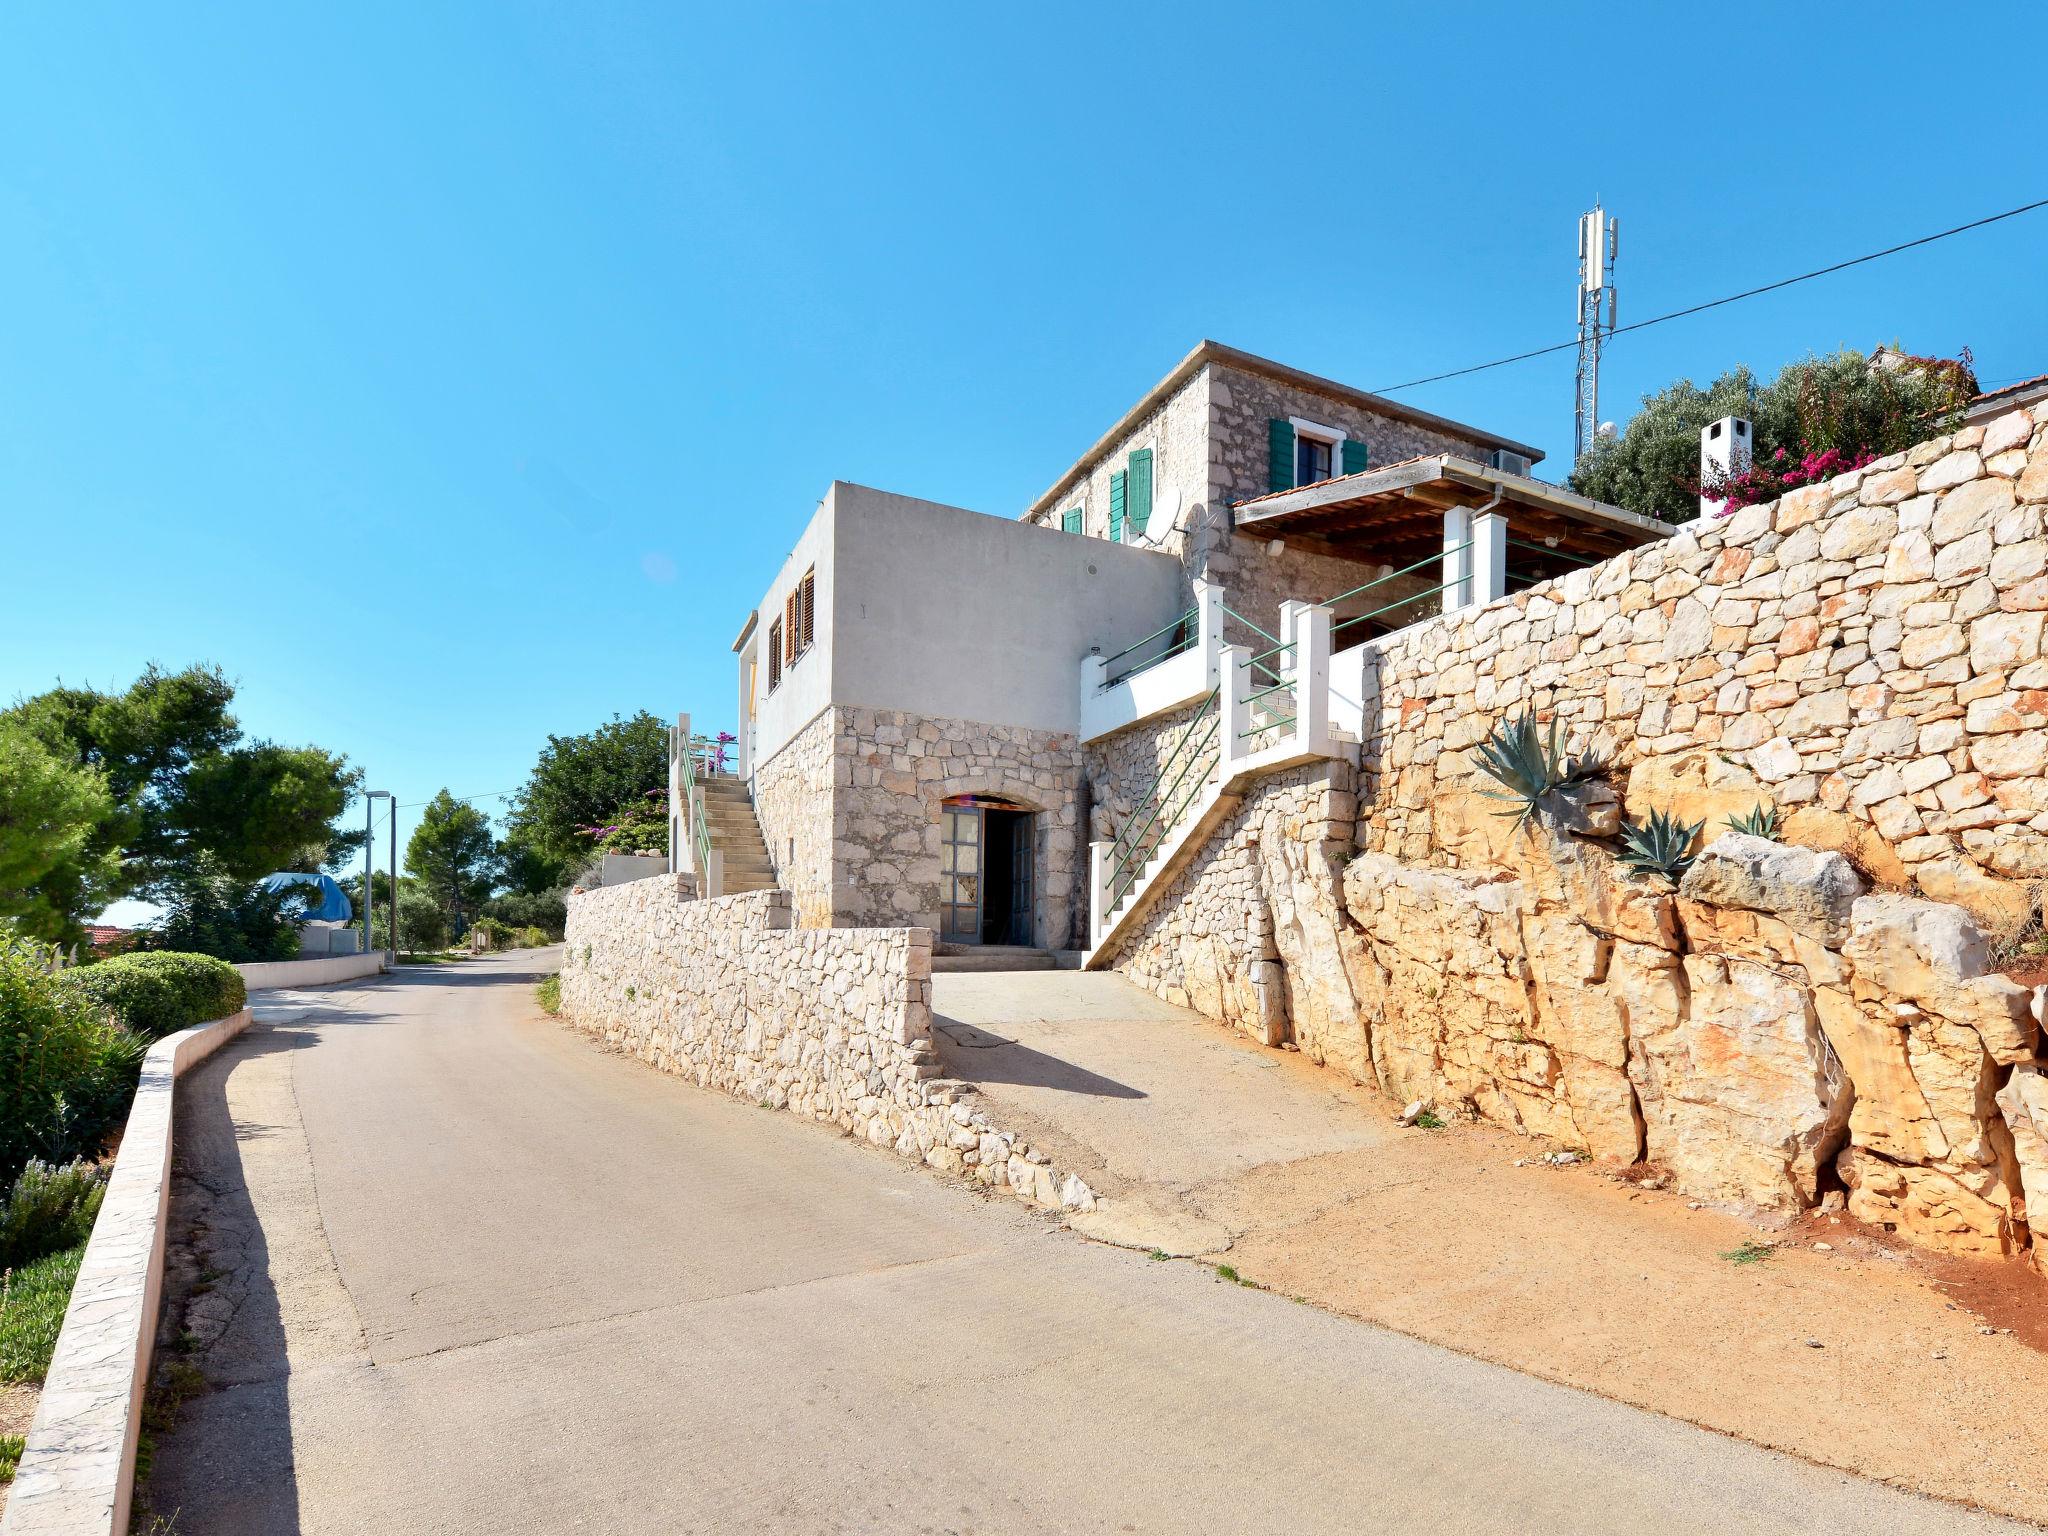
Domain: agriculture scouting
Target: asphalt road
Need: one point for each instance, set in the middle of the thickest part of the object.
(463, 1271)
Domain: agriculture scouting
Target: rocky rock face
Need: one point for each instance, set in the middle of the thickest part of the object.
(833, 1024)
(1766, 1030)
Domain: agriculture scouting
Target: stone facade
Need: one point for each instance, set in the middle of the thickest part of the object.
(1210, 447)
(1865, 655)
(834, 1025)
(793, 803)
(850, 811)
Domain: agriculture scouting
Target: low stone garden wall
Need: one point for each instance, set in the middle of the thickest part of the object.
(76, 1476)
(833, 1024)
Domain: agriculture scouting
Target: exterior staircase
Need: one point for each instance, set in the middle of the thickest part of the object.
(736, 834)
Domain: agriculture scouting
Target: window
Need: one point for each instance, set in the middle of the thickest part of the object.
(1305, 452)
(1311, 459)
(1070, 520)
(774, 654)
(799, 618)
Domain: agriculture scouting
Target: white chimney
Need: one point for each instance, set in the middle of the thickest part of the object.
(1724, 454)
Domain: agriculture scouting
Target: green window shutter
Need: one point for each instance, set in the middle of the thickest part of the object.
(1354, 456)
(1117, 501)
(1070, 520)
(1280, 455)
(1139, 511)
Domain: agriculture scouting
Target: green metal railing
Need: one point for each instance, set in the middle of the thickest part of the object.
(1407, 599)
(1258, 662)
(1181, 635)
(1180, 780)
(1521, 581)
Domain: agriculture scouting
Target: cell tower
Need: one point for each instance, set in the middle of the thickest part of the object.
(1597, 245)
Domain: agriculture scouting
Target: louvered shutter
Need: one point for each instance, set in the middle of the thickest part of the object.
(809, 593)
(1139, 496)
(1118, 498)
(1279, 454)
(774, 653)
(1070, 520)
(1354, 456)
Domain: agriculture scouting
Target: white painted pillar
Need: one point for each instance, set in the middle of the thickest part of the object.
(1098, 889)
(1489, 557)
(1457, 576)
(1312, 679)
(1209, 625)
(1235, 709)
(714, 877)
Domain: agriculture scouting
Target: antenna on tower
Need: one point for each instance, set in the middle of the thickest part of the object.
(1598, 242)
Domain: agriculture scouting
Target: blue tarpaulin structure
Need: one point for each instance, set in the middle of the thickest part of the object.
(334, 905)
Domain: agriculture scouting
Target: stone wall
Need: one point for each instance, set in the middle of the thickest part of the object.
(1247, 931)
(793, 803)
(891, 773)
(1865, 655)
(1792, 1023)
(831, 1024)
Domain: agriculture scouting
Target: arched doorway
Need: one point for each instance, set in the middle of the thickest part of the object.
(986, 886)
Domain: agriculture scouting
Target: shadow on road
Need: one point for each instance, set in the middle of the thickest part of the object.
(975, 1055)
(221, 1315)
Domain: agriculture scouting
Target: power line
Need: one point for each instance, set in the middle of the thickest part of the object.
(1747, 293)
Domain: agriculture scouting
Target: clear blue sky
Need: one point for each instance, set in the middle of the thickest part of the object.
(454, 374)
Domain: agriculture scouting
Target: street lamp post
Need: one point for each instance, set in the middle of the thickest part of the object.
(391, 874)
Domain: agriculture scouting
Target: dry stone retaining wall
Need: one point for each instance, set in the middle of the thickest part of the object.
(1865, 655)
(834, 1024)
(1785, 1026)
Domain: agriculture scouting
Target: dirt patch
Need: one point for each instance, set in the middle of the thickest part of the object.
(2027, 970)
(1821, 1339)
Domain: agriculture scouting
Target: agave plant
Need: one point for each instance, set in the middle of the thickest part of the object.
(1530, 763)
(1760, 821)
(1661, 844)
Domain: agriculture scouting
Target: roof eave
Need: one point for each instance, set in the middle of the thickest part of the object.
(1206, 352)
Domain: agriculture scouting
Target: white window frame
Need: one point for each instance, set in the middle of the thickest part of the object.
(1336, 437)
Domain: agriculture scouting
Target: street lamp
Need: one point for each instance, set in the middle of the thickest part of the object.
(390, 901)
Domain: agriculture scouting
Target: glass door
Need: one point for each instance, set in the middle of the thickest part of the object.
(960, 875)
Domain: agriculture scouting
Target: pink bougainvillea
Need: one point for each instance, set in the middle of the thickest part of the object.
(1782, 473)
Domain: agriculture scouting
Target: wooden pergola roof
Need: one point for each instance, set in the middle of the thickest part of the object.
(1395, 515)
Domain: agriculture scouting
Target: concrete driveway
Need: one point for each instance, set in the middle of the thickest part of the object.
(452, 1268)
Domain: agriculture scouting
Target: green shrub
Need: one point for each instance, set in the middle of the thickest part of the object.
(53, 1044)
(1530, 764)
(531, 938)
(1759, 821)
(547, 911)
(159, 994)
(49, 1208)
(32, 1313)
(550, 994)
(1660, 845)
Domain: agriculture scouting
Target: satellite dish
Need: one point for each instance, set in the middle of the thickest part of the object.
(1165, 516)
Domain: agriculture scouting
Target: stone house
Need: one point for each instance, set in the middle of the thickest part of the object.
(936, 705)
